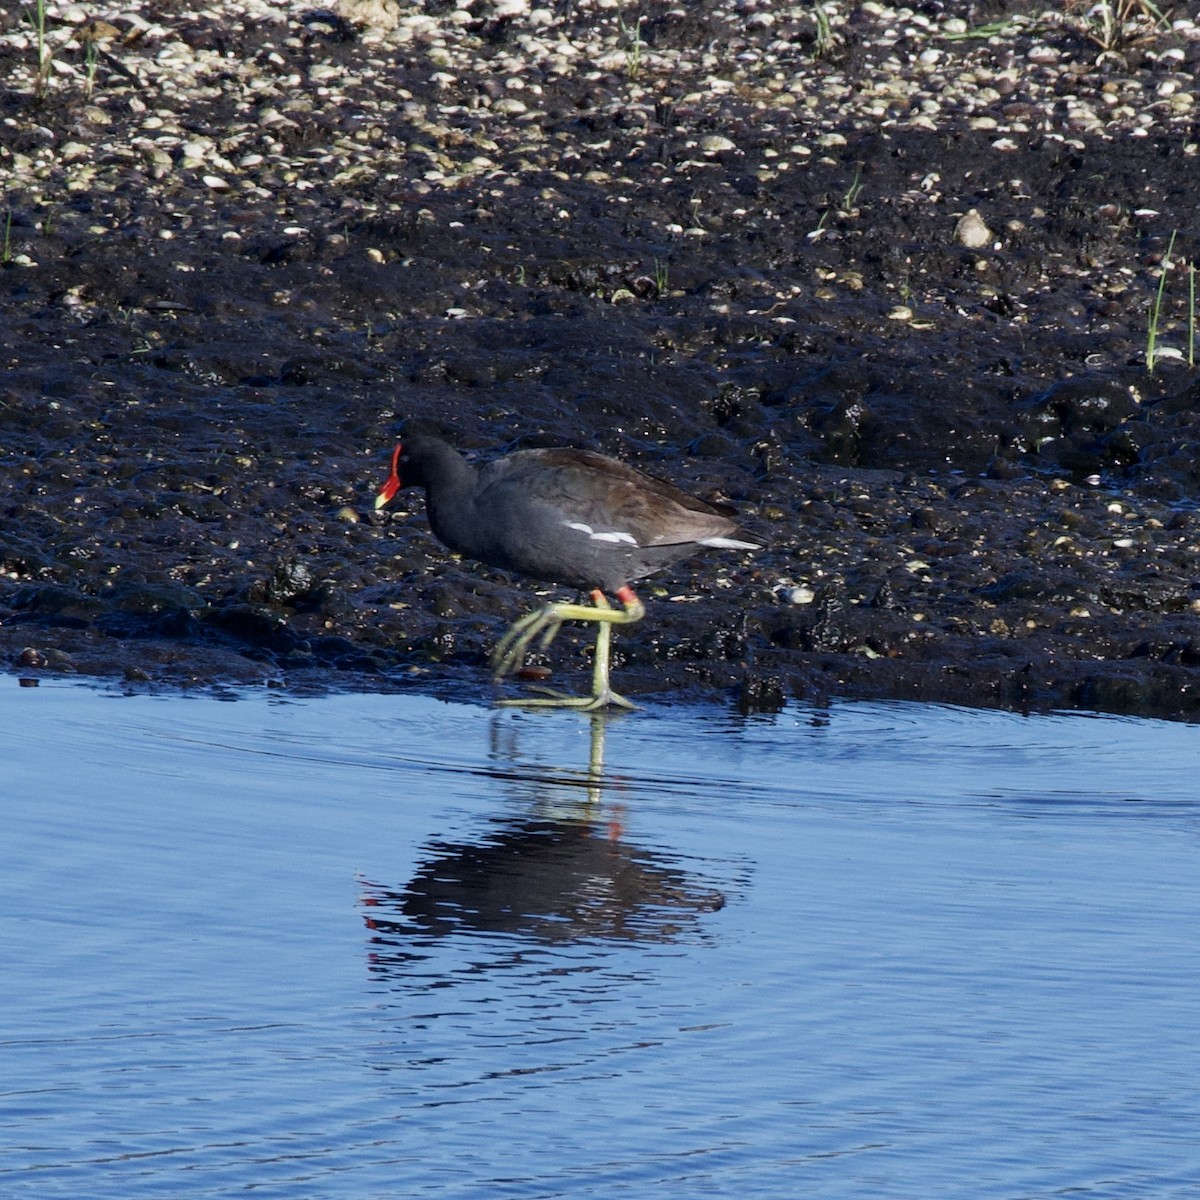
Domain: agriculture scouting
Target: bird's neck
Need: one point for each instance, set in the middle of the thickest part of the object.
(450, 502)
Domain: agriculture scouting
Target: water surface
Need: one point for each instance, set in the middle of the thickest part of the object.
(379, 946)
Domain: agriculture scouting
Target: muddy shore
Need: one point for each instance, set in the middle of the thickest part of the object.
(883, 284)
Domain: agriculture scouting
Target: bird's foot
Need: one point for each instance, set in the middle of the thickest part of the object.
(512, 648)
(554, 699)
(545, 623)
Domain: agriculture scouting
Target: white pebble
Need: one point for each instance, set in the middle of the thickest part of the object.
(972, 231)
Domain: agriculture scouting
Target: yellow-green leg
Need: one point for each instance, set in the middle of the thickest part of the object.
(545, 623)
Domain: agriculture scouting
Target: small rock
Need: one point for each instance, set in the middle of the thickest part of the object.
(376, 14)
(45, 660)
(97, 30)
(972, 232)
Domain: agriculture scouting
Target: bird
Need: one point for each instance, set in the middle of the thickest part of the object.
(564, 516)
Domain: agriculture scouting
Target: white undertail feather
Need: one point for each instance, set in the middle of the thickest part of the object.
(721, 543)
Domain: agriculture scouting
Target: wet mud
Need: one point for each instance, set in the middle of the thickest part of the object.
(974, 488)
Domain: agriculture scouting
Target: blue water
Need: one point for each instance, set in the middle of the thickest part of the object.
(380, 946)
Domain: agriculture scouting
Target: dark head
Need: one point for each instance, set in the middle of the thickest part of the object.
(417, 462)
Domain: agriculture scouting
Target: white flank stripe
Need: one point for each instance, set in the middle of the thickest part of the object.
(720, 543)
(615, 536)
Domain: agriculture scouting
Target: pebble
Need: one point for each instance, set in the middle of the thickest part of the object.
(972, 231)
(932, 74)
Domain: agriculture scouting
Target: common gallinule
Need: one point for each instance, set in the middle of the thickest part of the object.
(562, 516)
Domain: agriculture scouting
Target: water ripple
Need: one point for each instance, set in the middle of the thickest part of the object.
(374, 946)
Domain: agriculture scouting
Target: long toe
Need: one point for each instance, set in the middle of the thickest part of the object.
(511, 649)
(582, 703)
(551, 698)
(609, 699)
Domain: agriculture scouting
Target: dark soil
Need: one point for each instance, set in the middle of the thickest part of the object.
(986, 499)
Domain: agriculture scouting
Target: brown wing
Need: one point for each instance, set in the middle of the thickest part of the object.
(653, 511)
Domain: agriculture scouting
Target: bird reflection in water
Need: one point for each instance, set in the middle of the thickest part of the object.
(562, 872)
